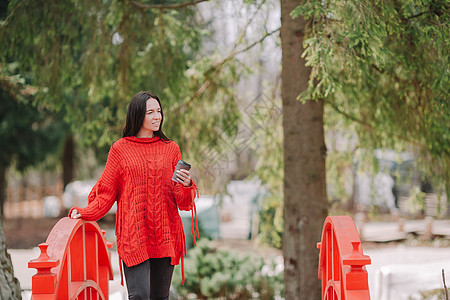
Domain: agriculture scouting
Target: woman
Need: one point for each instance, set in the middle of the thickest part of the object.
(137, 175)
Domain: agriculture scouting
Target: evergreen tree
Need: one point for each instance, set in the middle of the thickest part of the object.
(305, 200)
(383, 66)
(91, 57)
(28, 134)
(28, 137)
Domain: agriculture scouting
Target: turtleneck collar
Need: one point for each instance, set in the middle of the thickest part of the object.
(142, 140)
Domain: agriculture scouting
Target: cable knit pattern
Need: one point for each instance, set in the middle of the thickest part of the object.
(138, 176)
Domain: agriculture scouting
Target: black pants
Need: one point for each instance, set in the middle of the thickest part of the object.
(150, 279)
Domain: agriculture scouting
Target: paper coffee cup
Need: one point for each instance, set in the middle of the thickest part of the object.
(181, 164)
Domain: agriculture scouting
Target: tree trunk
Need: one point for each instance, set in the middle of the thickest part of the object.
(9, 285)
(68, 160)
(2, 189)
(305, 200)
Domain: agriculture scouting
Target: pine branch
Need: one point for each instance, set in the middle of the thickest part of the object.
(369, 126)
(166, 6)
(244, 30)
(349, 116)
(233, 54)
(417, 15)
(218, 65)
(10, 15)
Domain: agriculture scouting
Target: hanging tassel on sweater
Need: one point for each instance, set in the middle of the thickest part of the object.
(194, 230)
(194, 216)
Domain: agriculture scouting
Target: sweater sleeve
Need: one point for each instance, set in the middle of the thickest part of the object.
(184, 196)
(105, 191)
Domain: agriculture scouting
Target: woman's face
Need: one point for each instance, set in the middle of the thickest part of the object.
(152, 120)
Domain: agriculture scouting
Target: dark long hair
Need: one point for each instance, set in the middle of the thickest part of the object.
(136, 114)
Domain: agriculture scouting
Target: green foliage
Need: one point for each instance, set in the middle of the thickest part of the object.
(271, 221)
(88, 58)
(28, 133)
(270, 166)
(384, 66)
(437, 294)
(213, 273)
(416, 201)
(206, 114)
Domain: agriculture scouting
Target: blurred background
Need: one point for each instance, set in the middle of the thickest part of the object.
(377, 73)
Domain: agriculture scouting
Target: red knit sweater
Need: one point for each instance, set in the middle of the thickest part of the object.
(138, 176)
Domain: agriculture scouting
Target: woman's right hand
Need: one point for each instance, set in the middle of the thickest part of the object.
(74, 214)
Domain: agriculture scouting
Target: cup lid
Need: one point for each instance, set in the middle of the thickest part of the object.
(184, 163)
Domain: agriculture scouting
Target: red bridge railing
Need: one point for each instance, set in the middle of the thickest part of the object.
(74, 263)
(342, 262)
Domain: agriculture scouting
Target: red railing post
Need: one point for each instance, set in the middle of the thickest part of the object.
(356, 278)
(44, 281)
(74, 263)
(342, 262)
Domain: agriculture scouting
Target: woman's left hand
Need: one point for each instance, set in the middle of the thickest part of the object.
(74, 214)
(184, 177)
